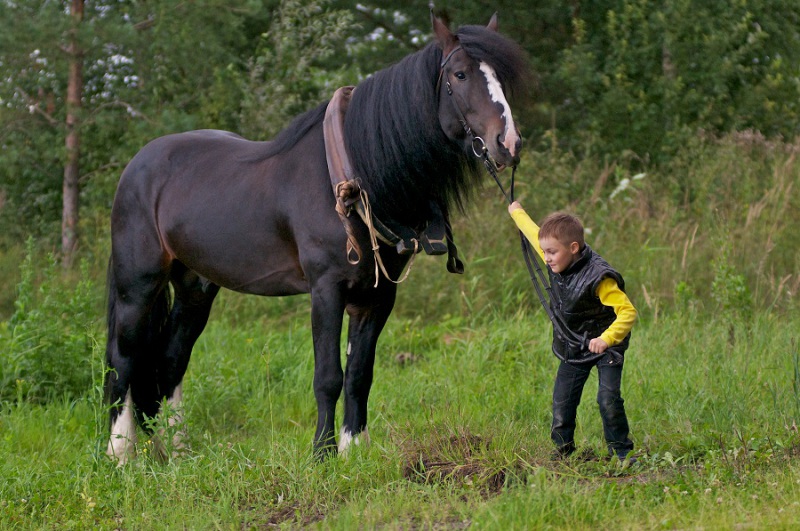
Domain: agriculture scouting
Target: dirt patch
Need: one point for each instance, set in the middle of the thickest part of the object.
(268, 518)
(461, 459)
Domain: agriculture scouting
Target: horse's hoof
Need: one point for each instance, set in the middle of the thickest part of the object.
(347, 440)
(323, 453)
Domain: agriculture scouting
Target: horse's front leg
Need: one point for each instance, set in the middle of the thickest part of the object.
(327, 309)
(367, 320)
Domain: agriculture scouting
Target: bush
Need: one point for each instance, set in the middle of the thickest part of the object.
(45, 348)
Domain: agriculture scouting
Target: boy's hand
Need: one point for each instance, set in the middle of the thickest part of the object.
(514, 206)
(597, 346)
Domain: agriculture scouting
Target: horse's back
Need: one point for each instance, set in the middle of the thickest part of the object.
(165, 157)
(224, 207)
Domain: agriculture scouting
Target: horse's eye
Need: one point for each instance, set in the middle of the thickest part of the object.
(461, 76)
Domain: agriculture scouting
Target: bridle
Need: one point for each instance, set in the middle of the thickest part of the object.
(540, 282)
(479, 148)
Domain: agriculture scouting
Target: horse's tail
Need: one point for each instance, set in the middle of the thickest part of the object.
(151, 340)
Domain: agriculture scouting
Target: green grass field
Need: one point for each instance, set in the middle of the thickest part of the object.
(459, 426)
(460, 406)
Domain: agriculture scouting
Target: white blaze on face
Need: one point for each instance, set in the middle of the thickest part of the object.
(121, 444)
(510, 136)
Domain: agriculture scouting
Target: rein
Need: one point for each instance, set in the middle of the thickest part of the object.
(541, 284)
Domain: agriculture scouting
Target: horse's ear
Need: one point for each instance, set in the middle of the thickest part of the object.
(493, 23)
(445, 38)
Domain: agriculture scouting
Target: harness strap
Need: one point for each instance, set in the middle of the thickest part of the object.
(341, 173)
(445, 60)
(373, 239)
(349, 194)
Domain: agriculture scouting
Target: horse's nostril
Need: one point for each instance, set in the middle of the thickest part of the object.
(505, 149)
(500, 143)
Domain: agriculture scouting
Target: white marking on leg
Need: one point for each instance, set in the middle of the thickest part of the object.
(510, 136)
(347, 439)
(122, 442)
(174, 408)
(349, 348)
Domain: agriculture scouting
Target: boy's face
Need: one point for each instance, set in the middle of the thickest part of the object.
(557, 255)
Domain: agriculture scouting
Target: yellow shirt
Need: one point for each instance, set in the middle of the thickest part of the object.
(607, 291)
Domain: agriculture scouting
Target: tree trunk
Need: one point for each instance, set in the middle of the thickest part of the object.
(69, 220)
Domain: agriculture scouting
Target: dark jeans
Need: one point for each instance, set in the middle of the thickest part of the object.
(570, 380)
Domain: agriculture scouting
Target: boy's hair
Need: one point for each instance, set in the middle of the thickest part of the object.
(564, 227)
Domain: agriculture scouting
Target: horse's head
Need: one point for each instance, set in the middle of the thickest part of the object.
(471, 93)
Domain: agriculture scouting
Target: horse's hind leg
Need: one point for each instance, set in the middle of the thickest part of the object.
(194, 297)
(367, 319)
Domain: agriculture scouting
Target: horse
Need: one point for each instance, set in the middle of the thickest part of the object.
(202, 210)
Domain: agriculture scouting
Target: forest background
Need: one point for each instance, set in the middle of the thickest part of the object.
(671, 128)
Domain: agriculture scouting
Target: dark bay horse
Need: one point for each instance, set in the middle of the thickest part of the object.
(207, 209)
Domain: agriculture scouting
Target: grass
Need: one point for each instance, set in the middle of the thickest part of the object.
(460, 407)
(459, 419)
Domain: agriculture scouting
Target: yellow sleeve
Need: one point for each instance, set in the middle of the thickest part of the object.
(611, 295)
(529, 228)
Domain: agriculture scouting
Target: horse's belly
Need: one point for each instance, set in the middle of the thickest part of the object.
(273, 283)
(260, 270)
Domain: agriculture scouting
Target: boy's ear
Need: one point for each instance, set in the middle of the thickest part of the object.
(574, 248)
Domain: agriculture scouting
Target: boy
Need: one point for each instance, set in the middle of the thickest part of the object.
(588, 295)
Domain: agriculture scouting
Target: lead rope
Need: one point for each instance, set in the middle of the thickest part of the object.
(540, 282)
(532, 261)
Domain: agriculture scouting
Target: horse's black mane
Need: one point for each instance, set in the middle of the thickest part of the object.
(397, 147)
(296, 130)
(394, 139)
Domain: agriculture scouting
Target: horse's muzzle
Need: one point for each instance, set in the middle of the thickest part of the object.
(505, 156)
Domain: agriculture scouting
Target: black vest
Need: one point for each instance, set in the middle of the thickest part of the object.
(574, 298)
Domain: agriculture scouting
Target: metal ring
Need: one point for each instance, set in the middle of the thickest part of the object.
(483, 146)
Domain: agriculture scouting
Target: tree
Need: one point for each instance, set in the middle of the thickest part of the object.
(642, 75)
(104, 79)
(69, 222)
(35, 39)
(288, 72)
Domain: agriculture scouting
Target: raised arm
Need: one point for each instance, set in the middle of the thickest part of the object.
(526, 225)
